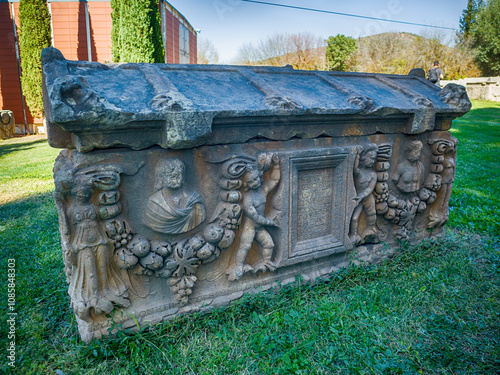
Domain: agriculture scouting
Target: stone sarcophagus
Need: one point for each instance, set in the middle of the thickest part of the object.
(181, 187)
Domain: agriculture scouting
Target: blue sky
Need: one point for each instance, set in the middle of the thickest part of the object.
(230, 23)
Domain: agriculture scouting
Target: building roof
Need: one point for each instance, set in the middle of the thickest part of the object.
(179, 14)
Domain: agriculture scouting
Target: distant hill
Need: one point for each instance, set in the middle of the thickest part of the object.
(390, 53)
(398, 53)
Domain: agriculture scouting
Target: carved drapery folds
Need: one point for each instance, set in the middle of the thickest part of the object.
(172, 209)
(87, 200)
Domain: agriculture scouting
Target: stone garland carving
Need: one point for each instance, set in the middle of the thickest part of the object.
(380, 192)
(178, 261)
(171, 210)
(440, 180)
(402, 206)
(100, 250)
(413, 194)
(408, 180)
(398, 207)
(106, 260)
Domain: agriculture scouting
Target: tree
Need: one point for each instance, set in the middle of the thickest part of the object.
(340, 50)
(34, 36)
(468, 19)
(398, 53)
(115, 30)
(207, 53)
(486, 38)
(301, 50)
(136, 32)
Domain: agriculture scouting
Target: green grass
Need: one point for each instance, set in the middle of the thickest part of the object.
(25, 167)
(475, 202)
(435, 309)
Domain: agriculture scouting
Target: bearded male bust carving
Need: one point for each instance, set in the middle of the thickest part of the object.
(172, 209)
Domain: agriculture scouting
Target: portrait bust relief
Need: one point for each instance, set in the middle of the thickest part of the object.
(172, 209)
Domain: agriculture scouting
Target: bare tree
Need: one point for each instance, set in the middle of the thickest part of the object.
(301, 50)
(207, 53)
(398, 53)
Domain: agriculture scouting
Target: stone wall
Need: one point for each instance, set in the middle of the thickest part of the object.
(483, 88)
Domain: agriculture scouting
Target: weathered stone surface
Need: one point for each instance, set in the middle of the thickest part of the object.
(92, 105)
(482, 88)
(228, 180)
(7, 124)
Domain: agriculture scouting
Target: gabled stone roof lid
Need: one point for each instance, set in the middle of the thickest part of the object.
(180, 106)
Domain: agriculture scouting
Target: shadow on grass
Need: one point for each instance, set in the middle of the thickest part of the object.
(483, 115)
(26, 223)
(14, 147)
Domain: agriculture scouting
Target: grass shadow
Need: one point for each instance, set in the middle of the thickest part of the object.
(483, 112)
(14, 147)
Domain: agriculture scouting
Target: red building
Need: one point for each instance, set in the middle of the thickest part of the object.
(81, 30)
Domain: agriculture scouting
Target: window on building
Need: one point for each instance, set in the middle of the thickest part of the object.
(183, 44)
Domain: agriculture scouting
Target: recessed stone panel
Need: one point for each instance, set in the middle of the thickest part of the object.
(317, 203)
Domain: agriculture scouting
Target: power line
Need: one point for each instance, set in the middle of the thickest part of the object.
(347, 14)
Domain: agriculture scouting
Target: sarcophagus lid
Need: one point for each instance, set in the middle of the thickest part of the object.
(183, 106)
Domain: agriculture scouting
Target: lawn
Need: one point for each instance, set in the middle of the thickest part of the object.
(475, 202)
(435, 309)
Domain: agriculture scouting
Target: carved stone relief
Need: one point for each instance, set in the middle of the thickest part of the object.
(443, 165)
(171, 209)
(254, 223)
(317, 192)
(256, 216)
(365, 179)
(87, 201)
(97, 244)
(7, 124)
(455, 95)
(412, 190)
(73, 95)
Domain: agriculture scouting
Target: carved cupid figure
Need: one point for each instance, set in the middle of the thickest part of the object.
(365, 179)
(254, 221)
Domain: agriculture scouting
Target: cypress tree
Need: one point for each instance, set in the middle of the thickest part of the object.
(138, 38)
(468, 19)
(34, 35)
(115, 30)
